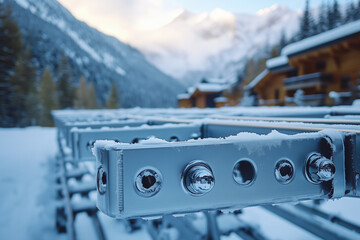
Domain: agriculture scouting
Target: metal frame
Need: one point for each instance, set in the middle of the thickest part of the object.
(121, 162)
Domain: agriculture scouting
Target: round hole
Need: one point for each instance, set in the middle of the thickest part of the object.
(148, 183)
(101, 180)
(284, 171)
(137, 140)
(174, 139)
(244, 172)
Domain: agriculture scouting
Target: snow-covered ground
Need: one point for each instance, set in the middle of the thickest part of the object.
(27, 201)
(27, 198)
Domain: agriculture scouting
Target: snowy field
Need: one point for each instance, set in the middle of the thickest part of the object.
(27, 205)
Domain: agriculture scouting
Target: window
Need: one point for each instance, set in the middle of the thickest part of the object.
(321, 65)
(277, 94)
(344, 82)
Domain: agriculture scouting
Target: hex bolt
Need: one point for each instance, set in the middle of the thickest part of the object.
(319, 168)
(198, 178)
(148, 183)
(101, 180)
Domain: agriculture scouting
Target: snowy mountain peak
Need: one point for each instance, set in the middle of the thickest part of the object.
(222, 15)
(216, 43)
(274, 9)
(51, 30)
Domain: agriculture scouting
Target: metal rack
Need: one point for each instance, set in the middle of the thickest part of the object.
(149, 163)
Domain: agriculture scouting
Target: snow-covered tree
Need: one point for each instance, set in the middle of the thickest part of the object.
(350, 13)
(48, 98)
(330, 17)
(336, 14)
(307, 23)
(321, 25)
(354, 11)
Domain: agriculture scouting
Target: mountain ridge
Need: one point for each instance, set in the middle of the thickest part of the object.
(50, 30)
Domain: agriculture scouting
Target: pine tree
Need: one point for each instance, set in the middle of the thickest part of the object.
(275, 51)
(322, 21)
(283, 40)
(92, 100)
(48, 98)
(32, 95)
(350, 13)
(10, 48)
(357, 12)
(81, 98)
(66, 91)
(113, 99)
(24, 91)
(330, 17)
(307, 23)
(336, 14)
(85, 96)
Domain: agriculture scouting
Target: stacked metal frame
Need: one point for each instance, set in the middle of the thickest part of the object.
(160, 163)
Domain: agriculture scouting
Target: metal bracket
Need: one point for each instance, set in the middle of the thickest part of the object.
(257, 153)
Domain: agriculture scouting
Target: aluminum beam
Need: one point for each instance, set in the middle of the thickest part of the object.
(122, 164)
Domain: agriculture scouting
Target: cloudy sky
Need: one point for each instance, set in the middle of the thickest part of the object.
(121, 18)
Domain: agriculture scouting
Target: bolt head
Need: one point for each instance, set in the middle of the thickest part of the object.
(198, 178)
(319, 168)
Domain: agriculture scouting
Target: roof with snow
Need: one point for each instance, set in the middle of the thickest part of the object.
(323, 39)
(183, 96)
(256, 80)
(203, 87)
(277, 62)
(211, 87)
(309, 44)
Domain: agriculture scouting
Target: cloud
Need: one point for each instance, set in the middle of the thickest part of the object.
(123, 18)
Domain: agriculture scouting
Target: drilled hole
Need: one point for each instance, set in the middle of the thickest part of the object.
(103, 178)
(284, 171)
(148, 181)
(174, 139)
(244, 172)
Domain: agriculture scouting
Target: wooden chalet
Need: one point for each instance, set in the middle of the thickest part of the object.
(313, 71)
(203, 95)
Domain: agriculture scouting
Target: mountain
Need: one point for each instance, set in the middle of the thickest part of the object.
(216, 43)
(50, 30)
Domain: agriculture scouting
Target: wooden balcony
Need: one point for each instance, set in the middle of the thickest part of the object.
(312, 80)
